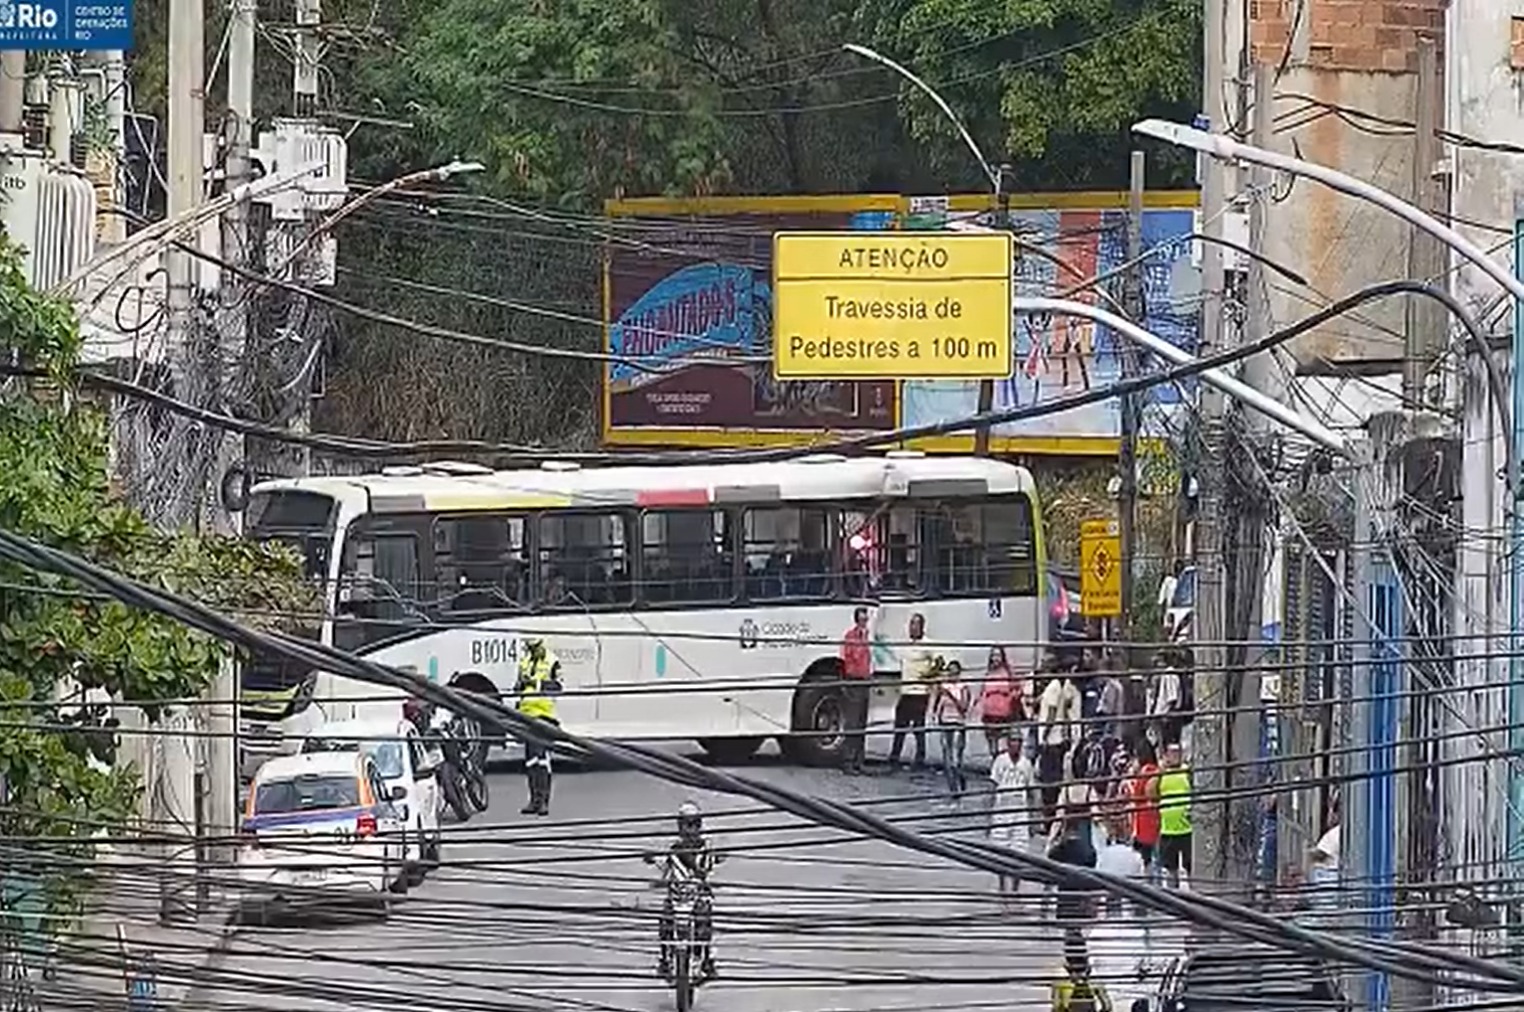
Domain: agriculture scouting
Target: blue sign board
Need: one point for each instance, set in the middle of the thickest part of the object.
(66, 24)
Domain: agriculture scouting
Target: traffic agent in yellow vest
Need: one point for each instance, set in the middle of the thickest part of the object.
(539, 680)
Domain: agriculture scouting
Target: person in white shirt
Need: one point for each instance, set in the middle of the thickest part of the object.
(919, 667)
(1118, 857)
(1323, 871)
(1011, 813)
(1058, 714)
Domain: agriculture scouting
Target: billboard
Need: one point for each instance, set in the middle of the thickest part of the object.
(690, 303)
(688, 299)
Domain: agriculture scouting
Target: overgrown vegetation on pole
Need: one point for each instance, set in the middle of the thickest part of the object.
(57, 756)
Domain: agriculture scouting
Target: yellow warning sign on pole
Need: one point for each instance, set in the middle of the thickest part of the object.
(1100, 569)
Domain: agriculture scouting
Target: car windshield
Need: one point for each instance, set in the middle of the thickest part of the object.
(1185, 590)
(307, 793)
(387, 755)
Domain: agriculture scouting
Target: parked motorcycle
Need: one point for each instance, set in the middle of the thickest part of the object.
(472, 746)
(686, 950)
(453, 776)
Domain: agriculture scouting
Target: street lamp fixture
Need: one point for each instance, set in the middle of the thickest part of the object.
(438, 173)
(900, 69)
(1228, 150)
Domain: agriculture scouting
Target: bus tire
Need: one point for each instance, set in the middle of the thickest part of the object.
(730, 751)
(816, 714)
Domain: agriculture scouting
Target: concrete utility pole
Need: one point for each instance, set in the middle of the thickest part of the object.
(987, 386)
(1424, 325)
(12, 90)
(1127, 454)
(309, 54)
(1210, 752)
(304, 101)
(173, 799)
(1262, 373)
(222, 744)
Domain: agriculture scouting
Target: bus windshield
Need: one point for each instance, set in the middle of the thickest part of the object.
(302, 520)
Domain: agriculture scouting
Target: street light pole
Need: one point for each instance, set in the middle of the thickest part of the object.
(941, 103)
(998, 180)
(1215, 378)
(437, 174)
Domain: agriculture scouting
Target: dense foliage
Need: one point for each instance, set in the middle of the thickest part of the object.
(56, 641)
(572, 102)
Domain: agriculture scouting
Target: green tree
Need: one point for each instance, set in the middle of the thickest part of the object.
(55, 756)
(1053, 85)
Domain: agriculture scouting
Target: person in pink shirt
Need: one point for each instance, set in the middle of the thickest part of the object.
(998, 701)
(856, 670)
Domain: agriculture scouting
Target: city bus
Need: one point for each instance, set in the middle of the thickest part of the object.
(702, 602)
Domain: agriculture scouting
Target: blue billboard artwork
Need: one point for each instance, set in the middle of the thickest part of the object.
(66, 24)
(705, 311)
(1058, 357)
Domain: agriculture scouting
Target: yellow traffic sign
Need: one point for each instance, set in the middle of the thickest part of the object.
(886, 305)
(1100, 569)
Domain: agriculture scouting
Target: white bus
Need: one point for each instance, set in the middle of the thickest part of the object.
(704, 602)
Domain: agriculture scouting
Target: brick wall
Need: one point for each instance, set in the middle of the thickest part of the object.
(1368, 35)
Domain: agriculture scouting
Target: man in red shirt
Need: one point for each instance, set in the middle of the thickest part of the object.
(856, 670)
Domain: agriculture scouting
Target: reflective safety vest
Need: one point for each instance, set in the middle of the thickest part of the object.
(536, 680)
(1175, 802)
(1086, 997)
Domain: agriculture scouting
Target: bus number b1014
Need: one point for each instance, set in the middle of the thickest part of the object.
(497, 650)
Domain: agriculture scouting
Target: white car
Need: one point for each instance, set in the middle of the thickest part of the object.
(319, 827)
(405, 762)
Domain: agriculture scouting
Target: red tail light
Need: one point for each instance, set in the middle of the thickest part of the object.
(365, 824)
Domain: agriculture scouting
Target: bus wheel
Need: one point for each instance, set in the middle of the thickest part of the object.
(817, 725)
(730, 751)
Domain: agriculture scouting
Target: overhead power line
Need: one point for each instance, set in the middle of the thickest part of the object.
(1396, 958)
(371, 448)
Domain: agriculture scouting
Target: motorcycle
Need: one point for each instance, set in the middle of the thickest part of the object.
(686, 951)
(453, 775)
(472, 746)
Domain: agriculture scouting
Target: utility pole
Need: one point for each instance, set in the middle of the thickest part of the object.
(1245, 722)
(1127, 454)
(1210, 753)
(222, 714)
(987, 386)
(173, 796)
(12, 89)
(1424, 325)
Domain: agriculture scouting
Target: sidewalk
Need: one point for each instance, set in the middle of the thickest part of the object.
(90, 969)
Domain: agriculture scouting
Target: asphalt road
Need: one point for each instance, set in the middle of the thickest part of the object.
(558, 914)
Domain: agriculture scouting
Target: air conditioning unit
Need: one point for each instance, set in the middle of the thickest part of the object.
(50, 212)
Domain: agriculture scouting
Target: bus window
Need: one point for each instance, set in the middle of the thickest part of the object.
(480, 564)
(787, 552)
(686, 557)
(302, 520)
(382, 583)
(988, 548)
(881, 551)
(583, 562)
